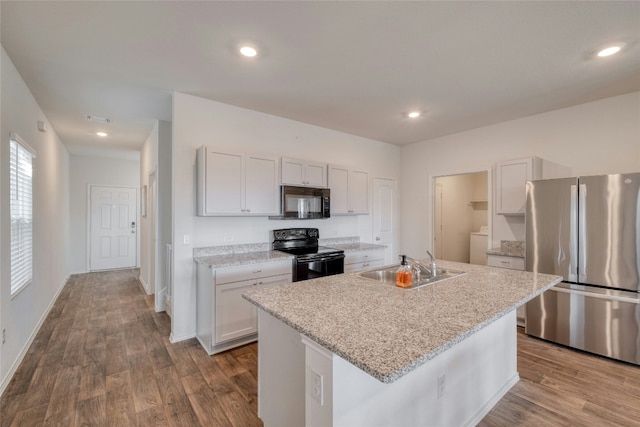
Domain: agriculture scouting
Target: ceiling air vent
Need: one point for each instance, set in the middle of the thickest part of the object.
(98, 119)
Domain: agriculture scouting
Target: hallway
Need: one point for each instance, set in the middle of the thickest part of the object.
(103, 357)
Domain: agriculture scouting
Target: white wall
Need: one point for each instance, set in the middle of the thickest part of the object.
(85, 171)
(155, 155)
(164, 208)
(23, 314)
(198, 121)
(595, 138)
(148, 164)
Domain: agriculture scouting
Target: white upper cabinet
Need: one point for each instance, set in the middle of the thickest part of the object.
(262, 191)
(237, 184)
(512, 176)
(349, 191)
(304, 173)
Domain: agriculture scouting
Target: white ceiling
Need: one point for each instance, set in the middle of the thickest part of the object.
(355, 67)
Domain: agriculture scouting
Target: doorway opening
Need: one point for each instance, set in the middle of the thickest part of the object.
(461, 216)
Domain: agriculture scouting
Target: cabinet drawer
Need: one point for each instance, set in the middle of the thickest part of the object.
(275, 280)
(252, 271)
(512, 263)
(359, 266)
(363, 257)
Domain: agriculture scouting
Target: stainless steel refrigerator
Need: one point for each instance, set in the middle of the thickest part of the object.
(587, 230)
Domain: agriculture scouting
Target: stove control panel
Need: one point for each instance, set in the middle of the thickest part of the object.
(295, 233)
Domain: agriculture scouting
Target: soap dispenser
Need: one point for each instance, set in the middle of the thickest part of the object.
(403, 274)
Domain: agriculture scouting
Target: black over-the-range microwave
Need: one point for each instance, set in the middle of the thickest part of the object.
(304, 203)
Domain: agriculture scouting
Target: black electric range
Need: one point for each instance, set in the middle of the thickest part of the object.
(311, 260)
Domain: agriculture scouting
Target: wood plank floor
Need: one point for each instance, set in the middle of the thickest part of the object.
(102, 357)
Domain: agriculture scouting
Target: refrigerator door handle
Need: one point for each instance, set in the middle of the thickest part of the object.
(573, 237)
(595, 295)
(582, 234)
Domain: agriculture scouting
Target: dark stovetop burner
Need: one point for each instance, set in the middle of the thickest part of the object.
(301, 241)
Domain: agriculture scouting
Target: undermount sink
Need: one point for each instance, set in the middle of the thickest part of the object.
(387, 276)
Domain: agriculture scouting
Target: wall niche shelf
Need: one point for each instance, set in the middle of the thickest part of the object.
(479, 205)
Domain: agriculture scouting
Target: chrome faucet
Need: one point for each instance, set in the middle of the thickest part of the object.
(432, 264)
(418, 268)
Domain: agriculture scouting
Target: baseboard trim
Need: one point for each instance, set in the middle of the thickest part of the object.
(177, 338)
(16, 363)
(144, 285)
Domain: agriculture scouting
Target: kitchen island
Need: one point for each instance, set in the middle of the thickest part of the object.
(345, 350)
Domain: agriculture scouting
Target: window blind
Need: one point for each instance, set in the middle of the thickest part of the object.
(21, 193)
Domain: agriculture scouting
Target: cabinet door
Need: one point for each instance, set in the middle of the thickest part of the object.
(235, 317)
(339, 185)
(357, 261)
(261, 185)
(316, 175)
(224, 183)
(358, 192)
(292, 171)
(512, 178)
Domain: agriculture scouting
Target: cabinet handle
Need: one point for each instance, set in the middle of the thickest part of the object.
(259, 283)
(242, 210)
(257, 271)
(377, 239)
(248, 210)
(505, 262)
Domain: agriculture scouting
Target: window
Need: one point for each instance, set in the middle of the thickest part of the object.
(21, 193)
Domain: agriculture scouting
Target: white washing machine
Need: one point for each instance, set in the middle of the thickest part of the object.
(478, 246)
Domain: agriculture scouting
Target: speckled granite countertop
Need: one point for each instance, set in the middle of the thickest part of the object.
(513, 248)
(498, 251)
(234, 259)
(387, 331)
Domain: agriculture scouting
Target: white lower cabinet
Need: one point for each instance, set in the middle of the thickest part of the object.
(512, 263)
(234, 317)
(225, 319)
(362, 260)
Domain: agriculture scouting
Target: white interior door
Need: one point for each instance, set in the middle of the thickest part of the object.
(113, 228)
(384, 216)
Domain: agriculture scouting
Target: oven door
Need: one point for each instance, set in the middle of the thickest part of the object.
(312, 267)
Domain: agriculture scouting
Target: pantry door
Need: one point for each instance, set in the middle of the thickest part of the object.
(113, 228)
(385, 216)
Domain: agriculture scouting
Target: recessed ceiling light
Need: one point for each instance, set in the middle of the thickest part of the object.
(102, 134)
(414, 114)
(248, 51)
(609, 51)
